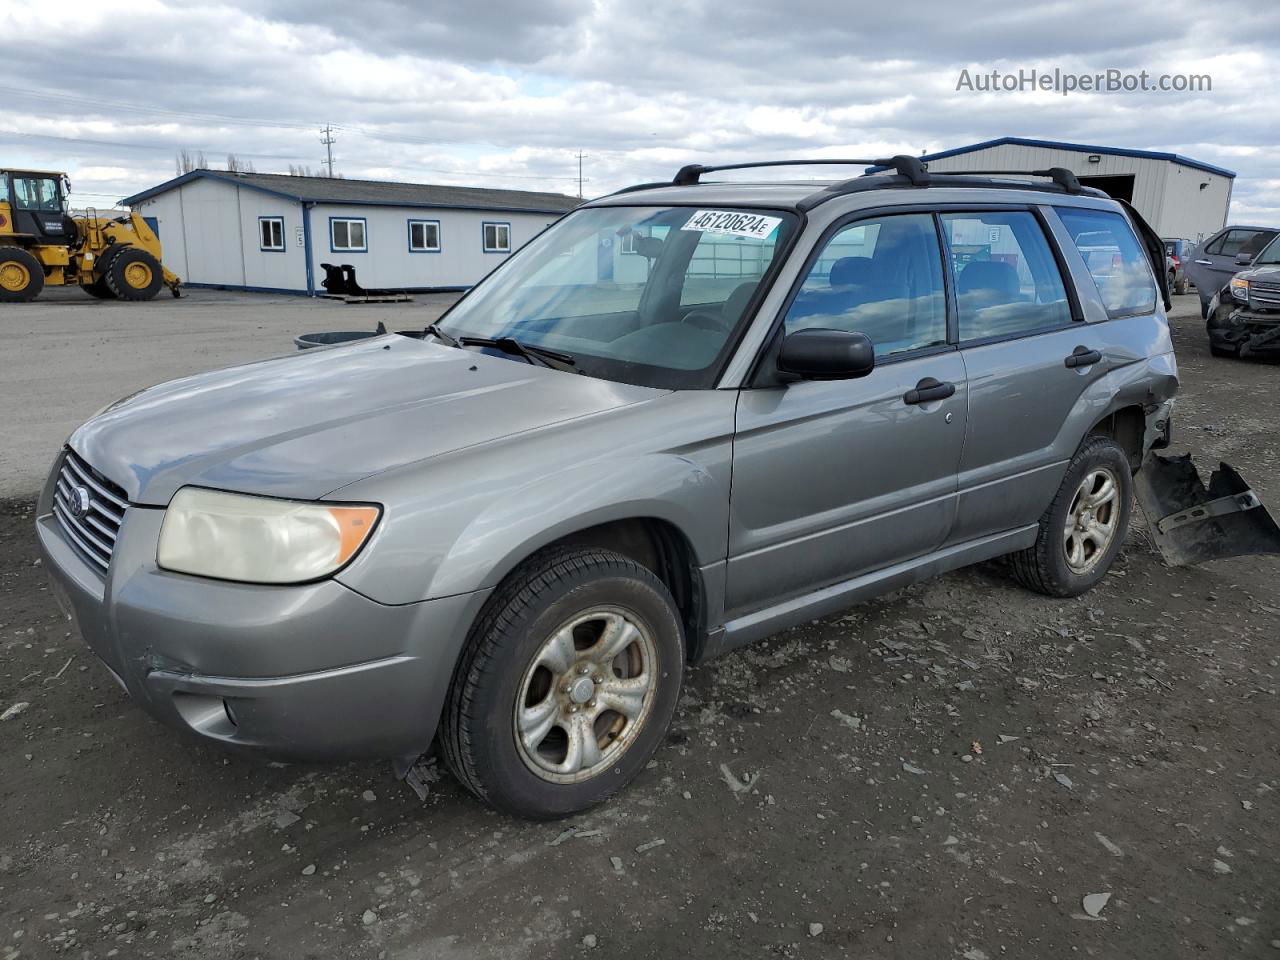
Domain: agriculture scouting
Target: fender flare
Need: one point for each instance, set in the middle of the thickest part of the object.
(507, 532)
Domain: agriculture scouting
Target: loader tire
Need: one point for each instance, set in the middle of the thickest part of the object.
(21, 276)
(134, 274)
(98, 290)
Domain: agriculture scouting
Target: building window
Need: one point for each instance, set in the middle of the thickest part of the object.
(271, 233)
(347, 234)
(424, 236)
(497, 237)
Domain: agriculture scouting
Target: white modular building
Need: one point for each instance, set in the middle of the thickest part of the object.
(1179, 197)
(275, 232)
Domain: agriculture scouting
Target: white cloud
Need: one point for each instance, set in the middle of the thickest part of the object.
(506, 93)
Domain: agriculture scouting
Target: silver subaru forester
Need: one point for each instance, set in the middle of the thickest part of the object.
(686, 416)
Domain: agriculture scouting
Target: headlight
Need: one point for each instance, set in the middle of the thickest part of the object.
(1240, 289)
(230, 536)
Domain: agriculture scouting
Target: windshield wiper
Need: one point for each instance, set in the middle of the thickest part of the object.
(539, 356)
(448, 339)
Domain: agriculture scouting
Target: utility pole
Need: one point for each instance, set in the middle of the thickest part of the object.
(581, 156)
(328, 139)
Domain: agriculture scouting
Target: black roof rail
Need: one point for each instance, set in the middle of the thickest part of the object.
(908, 166)
(1063, 177)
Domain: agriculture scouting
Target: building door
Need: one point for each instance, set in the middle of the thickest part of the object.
(1120, 187)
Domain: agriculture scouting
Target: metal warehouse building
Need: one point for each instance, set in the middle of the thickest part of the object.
(1178, 196)
(272, 232)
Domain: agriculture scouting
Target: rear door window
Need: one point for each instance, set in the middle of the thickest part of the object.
(1007, 279)
(1115, 259)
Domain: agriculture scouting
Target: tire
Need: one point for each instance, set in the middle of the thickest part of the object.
(1047, 566)
(513, 676)
(98, 289)
(134, 274)
(21, 276)
(1180, 286)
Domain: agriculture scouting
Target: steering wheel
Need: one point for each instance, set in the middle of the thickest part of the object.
(706, 320)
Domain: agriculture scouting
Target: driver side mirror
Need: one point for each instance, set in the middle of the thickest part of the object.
(1243, 259)
(827, 355)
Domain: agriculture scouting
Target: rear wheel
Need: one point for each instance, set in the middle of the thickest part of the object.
(1085, 525)
(567, 686)
(21, 276)
(134, 274)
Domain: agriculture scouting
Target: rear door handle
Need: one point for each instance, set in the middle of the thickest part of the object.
(1082, 357)
(927, 390)
(1205, 263)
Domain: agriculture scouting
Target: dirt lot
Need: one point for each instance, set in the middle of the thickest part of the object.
(947, 772)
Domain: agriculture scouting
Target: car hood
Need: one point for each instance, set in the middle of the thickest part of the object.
(304, 425)
(1268, 272)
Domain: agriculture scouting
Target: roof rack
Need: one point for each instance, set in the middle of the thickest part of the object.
(910, 167)
(1063, 179)
(909, 171)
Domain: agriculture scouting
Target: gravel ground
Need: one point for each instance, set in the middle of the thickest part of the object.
(961, 769)
(67, 354)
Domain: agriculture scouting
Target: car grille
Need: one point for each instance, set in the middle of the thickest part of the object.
(90, 509)
(1266, 296)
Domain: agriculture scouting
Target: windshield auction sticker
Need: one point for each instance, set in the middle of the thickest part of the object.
(730, 223)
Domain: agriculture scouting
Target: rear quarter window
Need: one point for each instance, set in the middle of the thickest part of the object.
(1115, 259)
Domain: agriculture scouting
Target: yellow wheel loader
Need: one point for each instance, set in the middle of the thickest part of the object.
(41, 245)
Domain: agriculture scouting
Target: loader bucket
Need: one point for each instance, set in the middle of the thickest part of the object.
(1191, 523)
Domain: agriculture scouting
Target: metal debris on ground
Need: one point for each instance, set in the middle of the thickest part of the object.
(1094, 903)
(646, 847)
(13, 711)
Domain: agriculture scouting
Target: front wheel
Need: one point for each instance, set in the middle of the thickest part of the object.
(1085, 525)
(567, 686)
(134, 274)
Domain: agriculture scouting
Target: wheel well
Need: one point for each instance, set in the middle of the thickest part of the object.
(1127, 427)
(662, 548)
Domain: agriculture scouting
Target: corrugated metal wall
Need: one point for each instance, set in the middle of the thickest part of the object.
(1168, 195)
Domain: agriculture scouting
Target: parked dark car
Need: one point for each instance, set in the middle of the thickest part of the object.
(1244, 316)
(1213, 263)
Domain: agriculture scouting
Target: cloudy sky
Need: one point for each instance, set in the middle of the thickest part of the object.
(505, 93)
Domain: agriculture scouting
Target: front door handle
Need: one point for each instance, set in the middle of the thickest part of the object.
(1205, 263)
(1082, 357)
(929, 389)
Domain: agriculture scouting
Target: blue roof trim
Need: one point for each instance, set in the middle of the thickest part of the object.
(236, 181)
(1083, 148)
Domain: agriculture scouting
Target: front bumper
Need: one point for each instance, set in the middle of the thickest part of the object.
(306, 672)
(1244, 330)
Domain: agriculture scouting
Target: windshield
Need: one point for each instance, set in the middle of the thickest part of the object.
(643, 295)
(1270, 254)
